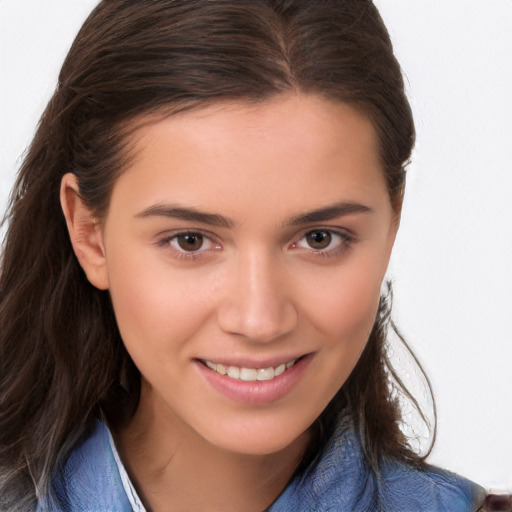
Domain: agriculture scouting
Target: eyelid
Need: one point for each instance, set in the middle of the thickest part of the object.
(165, 241)
(347, 239)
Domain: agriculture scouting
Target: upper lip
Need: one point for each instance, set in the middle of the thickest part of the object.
(251, 363)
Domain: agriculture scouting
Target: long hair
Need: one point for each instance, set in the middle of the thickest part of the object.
(62, 357)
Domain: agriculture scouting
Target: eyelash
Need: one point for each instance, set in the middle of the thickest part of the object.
(345, 240)
(188, 255)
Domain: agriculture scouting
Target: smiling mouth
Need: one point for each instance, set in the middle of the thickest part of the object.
(250, 374)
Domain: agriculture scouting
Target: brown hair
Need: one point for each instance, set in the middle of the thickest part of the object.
(61, 353)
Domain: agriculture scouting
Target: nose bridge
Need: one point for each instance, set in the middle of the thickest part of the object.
(257, 304)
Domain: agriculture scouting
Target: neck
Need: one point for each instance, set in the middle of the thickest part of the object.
(173, 468)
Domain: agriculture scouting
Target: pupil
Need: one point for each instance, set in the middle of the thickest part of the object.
(190, 242)
(319, 239)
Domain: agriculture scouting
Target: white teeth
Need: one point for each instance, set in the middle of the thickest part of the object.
(280, 369)
(250, 374)
(220, 369)
(234, 372)
(266, 373)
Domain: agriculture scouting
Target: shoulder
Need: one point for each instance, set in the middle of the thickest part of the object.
(89, 479)
(430, 489)
(343, 482)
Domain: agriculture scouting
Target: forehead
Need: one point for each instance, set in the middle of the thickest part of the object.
(282, 150)
(289, 115)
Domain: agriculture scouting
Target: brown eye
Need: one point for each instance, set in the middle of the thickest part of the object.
(190, 242)
(319, 239)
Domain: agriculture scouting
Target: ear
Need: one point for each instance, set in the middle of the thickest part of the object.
(85, 232)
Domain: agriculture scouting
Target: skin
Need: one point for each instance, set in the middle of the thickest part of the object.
(254, 290)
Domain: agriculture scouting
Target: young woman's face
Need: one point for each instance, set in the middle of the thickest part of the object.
(252, 240)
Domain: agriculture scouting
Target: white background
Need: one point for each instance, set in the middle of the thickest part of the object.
(452, 266)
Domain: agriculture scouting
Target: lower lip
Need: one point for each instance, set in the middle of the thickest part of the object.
(255, 392)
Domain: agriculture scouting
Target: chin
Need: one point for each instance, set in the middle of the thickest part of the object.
(259, 437)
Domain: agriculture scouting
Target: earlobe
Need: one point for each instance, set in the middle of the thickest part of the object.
(85, 233)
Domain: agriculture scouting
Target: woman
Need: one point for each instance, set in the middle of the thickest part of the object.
(200, 323)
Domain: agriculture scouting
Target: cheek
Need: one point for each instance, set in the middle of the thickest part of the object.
(156, 309)
(348, 323)
(341, 313)
(346, 306)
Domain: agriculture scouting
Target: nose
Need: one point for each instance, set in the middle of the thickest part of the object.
(258, 303)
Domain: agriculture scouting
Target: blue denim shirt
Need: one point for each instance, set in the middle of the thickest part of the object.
(341, 482)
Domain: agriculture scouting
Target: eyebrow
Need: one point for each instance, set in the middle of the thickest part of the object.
(192, 214)
(179, 212)
(329, 213)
